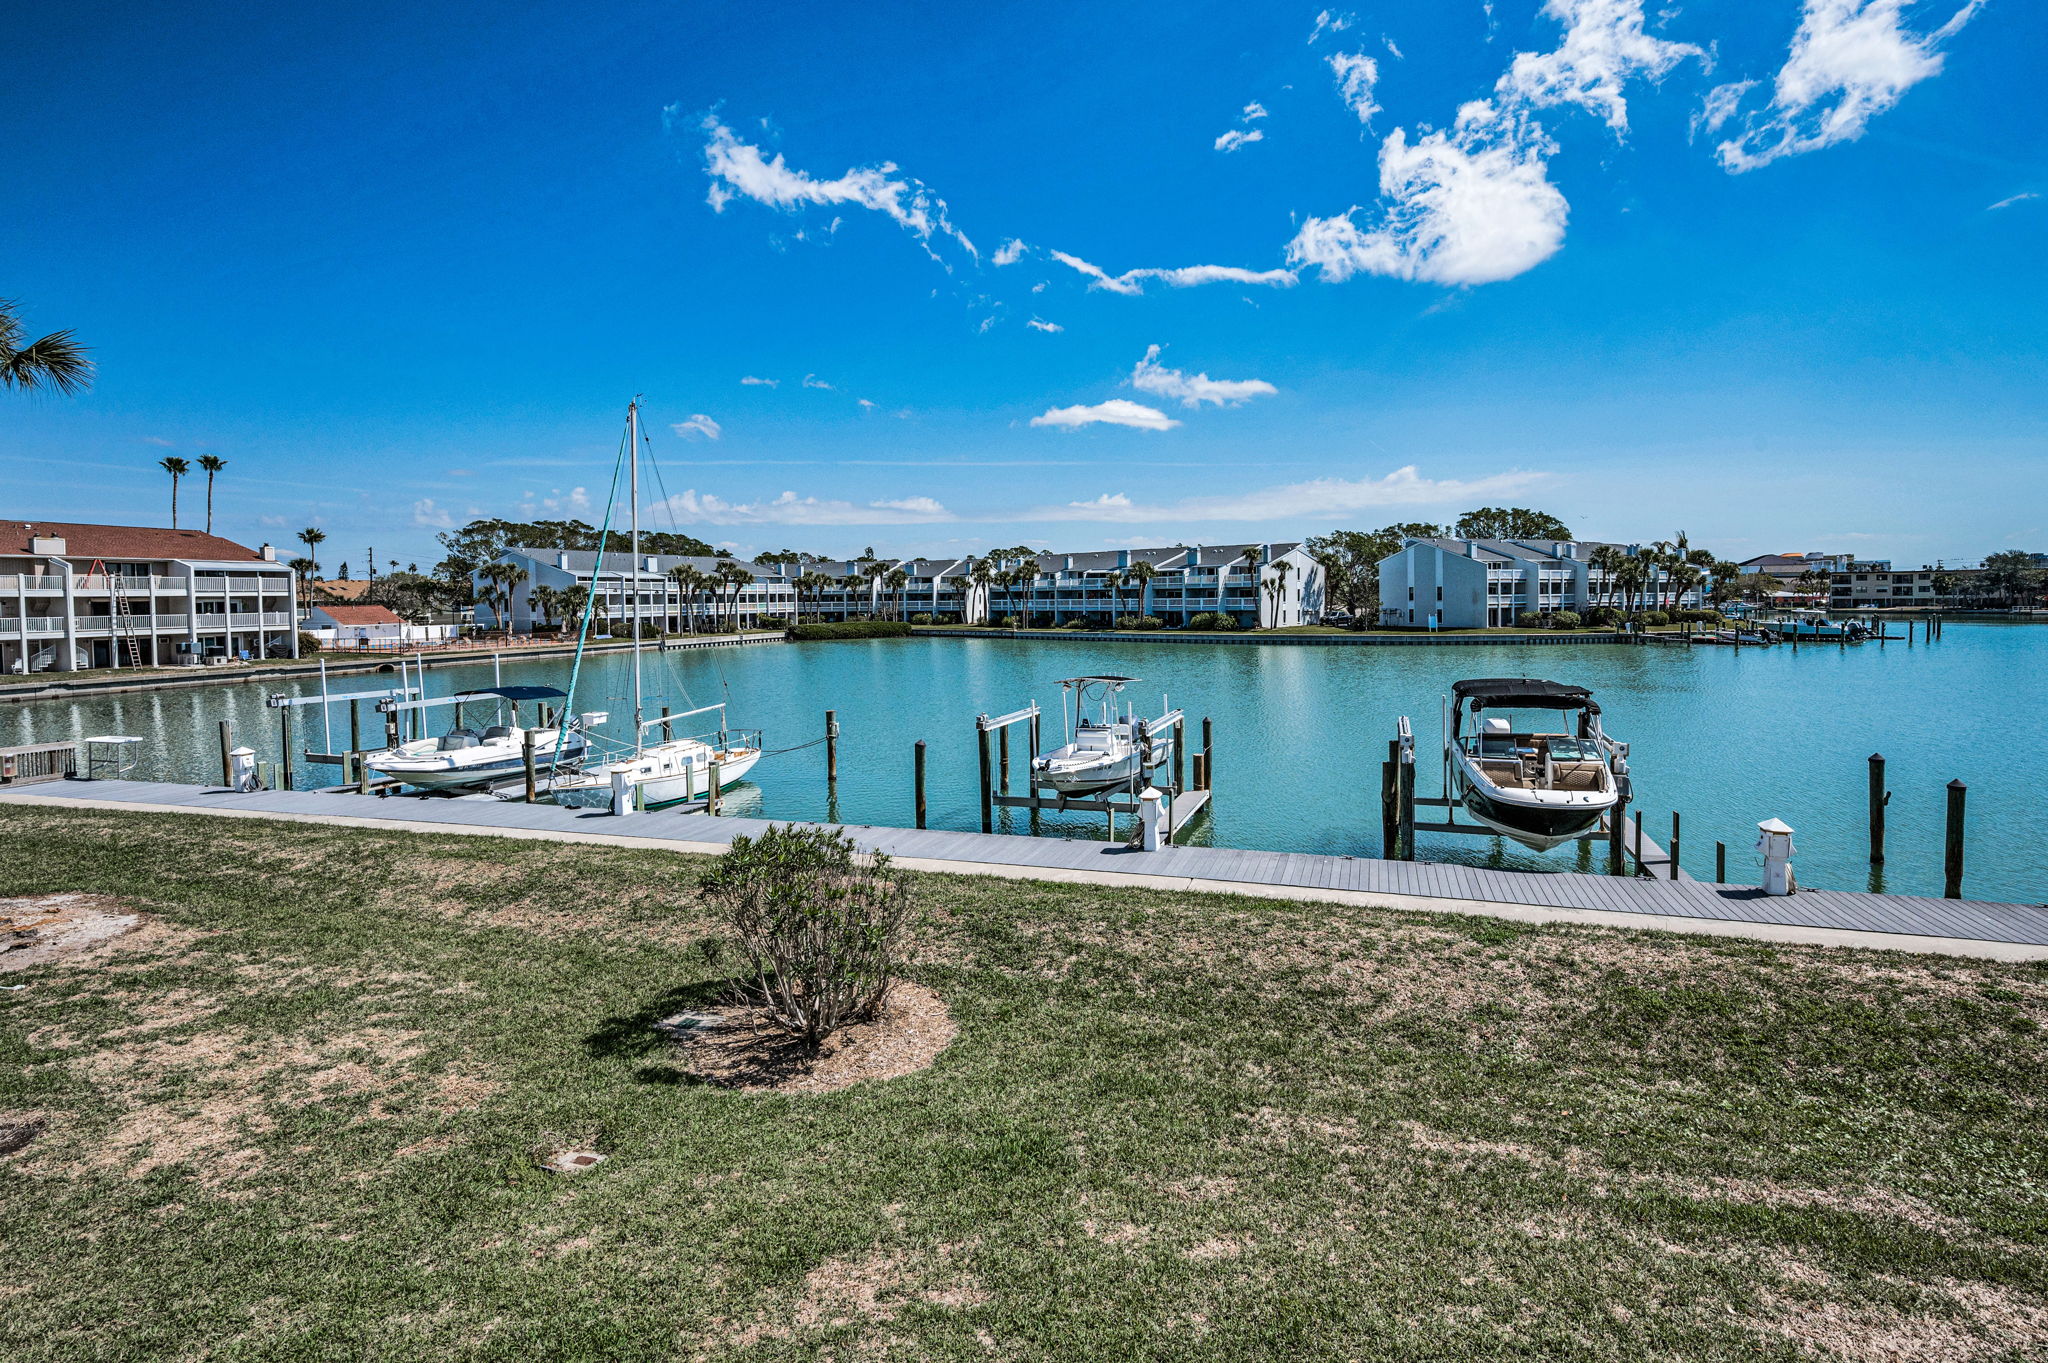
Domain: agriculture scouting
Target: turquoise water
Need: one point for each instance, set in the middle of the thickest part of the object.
(1726, 737)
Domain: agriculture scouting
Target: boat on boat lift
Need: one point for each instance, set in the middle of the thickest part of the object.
(1538, 786)
(672, 769)
(1811, 624)
(469, 755)
(1104, 750)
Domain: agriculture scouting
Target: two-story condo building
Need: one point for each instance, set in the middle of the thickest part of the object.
(82, 596)
(1257, 585)
(1448, 583)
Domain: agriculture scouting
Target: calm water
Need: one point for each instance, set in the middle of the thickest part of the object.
(1725, 737)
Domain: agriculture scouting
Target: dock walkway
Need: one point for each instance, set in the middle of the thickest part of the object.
(1836, 917)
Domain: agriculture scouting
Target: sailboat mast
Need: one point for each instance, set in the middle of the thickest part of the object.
(633, 610)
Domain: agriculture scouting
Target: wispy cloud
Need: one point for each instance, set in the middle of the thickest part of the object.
(741, 170)
(813, 381)
(1187, 276)
(704, 508)
(1331, 21)
(1319, 498)
(1192, 390)
(2011, 200)
(1253, 112)
(426, 513)
(1604, 47)
(1238, 137)
(698, 427)
(1040, 324)
(1356, 75)
(159, 440)
(1115, 412)
(1850, 61)
(1009, 253)
(753, 382)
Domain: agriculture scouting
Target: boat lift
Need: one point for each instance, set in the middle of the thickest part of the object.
(1162, 740)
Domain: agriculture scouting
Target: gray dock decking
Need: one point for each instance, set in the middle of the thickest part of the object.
(2023, 925)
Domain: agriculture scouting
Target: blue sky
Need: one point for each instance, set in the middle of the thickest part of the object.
(1768, 272)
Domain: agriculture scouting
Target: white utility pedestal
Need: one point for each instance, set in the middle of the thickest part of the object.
(1774, 845)
(1151, 817)
(622, 792)
(242, 768)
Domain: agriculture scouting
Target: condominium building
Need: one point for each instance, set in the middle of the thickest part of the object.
(1448, 583)
(1255, 584)
(81, 596)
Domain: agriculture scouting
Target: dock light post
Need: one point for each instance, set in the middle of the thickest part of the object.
(1879, 798)
(1952, 858)
(918, 767)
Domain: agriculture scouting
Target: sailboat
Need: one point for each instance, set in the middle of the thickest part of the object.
(669, 770)
(1101, 753)
(1538, 787)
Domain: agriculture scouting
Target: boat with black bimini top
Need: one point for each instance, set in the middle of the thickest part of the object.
(472, 755)
(1540, 786)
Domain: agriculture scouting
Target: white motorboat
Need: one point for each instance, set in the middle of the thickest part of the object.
(670, 770)
(667, 772)
(469, 755)
(1538, 787)
(1103, 751)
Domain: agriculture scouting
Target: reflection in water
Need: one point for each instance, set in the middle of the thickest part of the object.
(1724, 736)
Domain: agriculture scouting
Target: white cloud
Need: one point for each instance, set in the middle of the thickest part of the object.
(1115, 412)
(704, 508)
(1850, 61)
(1238, 137)
(1193, 390)
(556, 503)
(1187, 276)
(2015, 199)
(1010, 252)
(1040, 324)
(1392, 50)
(1718, 107)
(1356, 75)
(813, 381)
(1253, 112)
(865, 404)
(1331, 21)
(698, 427)
(1603, 48)
(1320, 498)
(1470, 206)
(739, 169)
(159, 440)
(426, 513)
(751, 381)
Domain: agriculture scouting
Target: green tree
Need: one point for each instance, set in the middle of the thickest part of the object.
(312, 537)
(2012, 577)
(213, 464)
(1510, 523)
(1350, 560)
(56, 361)
(177, 468)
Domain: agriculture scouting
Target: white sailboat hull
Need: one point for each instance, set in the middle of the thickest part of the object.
(663, 773)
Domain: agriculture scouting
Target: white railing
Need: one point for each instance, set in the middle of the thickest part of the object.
(36, 624)
(31, 582)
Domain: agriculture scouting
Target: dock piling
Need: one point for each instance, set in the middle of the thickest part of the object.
(1720, 863)
(1639, 844)
(355, 725)
(1617, 821)
(919, 768)
(227, 746)
(711, 796)
(1003, 756)
(668, 730)
(1879, 798)
(1208, 755)
(284, 724)
(1674, 844)
(831, 747)
(1198, 765)
(988, 805)
(1952, 859)
(526, 757)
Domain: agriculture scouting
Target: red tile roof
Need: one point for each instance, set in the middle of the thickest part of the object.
(360, 615)
(122, 542)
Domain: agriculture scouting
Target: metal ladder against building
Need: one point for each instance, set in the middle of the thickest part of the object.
(124, 620)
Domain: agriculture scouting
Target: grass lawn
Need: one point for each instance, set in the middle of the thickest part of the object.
(294, 1115)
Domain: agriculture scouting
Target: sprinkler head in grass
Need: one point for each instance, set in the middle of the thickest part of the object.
(570, 1161)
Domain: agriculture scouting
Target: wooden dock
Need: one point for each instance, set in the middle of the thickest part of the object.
(1839, 917)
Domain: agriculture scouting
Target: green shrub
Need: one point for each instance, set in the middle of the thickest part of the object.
(307, 644)
(1564, 620)
(921, 618)
(1603, 617)
(1212, 620)
(819, 924)
(1529, 620)
(1139, 622)
(850, 629)
(1075, 622)
(1655, 618)
(1013, 622)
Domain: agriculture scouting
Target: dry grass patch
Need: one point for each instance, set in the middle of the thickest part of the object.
(744, 1050)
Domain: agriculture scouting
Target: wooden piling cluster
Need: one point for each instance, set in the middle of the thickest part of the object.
(1186, 797)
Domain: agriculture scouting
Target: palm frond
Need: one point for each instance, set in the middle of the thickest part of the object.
(56, 361)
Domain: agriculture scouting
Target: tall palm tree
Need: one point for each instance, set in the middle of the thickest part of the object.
(1253, 557)
(55, 361)
(1141, 574)
(177, 468)
(983, 576)
(685, 577)
(898, 582)
(502, 581)
(213, 464)
(1276, 586)
(1605, 560)
(311, 537)
(874, 570)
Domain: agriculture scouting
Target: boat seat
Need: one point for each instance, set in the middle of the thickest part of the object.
(1505, 772)
(497, 731)
(458, 738)
(1575, 776)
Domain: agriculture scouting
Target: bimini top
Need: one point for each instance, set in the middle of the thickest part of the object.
(1524, 693)
(516, 693)
(1083, 681)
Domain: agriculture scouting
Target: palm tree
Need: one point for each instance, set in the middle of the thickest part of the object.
(213, 464)
(898, 582)
(311, 537)
(875, 570)
(982, 576)
(177, 468)
(1141, 574)
(1253, 556)
(1276, 586)
(685, 577)
(1606, 560)
(55, 361)
(502, 580)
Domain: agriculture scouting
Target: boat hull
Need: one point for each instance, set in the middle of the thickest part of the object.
(1111, 773)
(658, 789)
(1539, 826)
(493, 765)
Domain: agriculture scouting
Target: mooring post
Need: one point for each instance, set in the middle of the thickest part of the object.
(526, 756)
(1179, 732)
(1879, 798)
(1201, 776)
(668, 731)
(1390, 798)
(717, 783)
(227, 763)
(1208, 755)
(1032, 763)
(1674, 844)
(1617, 820)
(1406, 774)
(988, 804)
(1952, 860)
(355, 726)
(1003, 743)
(1639, 844)
(1720, 863)
(362, 774)
(918, 766)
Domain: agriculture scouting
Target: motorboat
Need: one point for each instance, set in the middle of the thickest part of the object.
(1106, 747)
(473, 755)
(666, 772)
(1816, 625)
(1542, 782)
